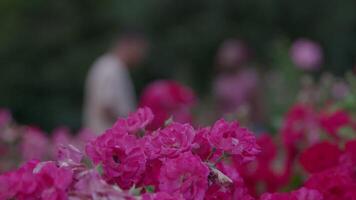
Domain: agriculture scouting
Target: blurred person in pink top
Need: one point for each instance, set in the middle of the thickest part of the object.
(109, 91)
(236, 86)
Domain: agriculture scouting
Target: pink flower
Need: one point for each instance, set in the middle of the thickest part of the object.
(202, 146)
(234, 140)
(160, 196)
(36, 180)
(168, 98)
(136, 121)
(335, 183)
(333, 122)
(5, 117)
(262, 170)
(170, 141)
(90, 185)
(19, 183)
(53, 180)
(320, 156)
(300, 128)
(60, 136)
(186, 175)
(300, 194)
(83, 137)
(121, 155)
(306, 54)
(151, 175)
(69, 156)
(34, 144)
(349, 156)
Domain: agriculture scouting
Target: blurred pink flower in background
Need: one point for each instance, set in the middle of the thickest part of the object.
(5, 117)
(35, 144)
(168, 98)
(235, 90)
(306, 54)
(340, 90)
(60, 136)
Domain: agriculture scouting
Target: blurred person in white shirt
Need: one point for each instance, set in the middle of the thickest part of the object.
(109, 91)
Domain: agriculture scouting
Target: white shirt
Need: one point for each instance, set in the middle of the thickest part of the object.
(108, 85)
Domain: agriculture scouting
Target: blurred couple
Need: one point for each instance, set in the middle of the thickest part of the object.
(109, 91)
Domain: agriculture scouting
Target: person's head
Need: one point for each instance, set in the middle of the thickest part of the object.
(231, 54)
(131, 47)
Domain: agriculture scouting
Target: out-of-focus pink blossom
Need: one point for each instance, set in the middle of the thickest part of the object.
(263, 171)
(35, 144)
(300, 128)
(320, 156)
(234, 140)
(306, 54)
(186, 175)
(334, 184)
(334, 121)
(60, 136)
(168, 98)
(244, 86)
(170, 141)
(340, 90)
(83, 137)
(5, 117)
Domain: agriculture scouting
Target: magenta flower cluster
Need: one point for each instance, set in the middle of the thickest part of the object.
(166, 163)
(180, 162)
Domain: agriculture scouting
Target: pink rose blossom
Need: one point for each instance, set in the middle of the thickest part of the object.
(19, 183)
(69, 156)
(202, 146)
(186, 175)
(53, 181)
(170, 141)
(136, 121)
(234, 140)
(36, 180)
(121, 155)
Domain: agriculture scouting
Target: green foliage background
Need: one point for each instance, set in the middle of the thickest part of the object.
(46, 46)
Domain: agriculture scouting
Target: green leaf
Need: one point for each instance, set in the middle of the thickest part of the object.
(99, 168)
(150, 188)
